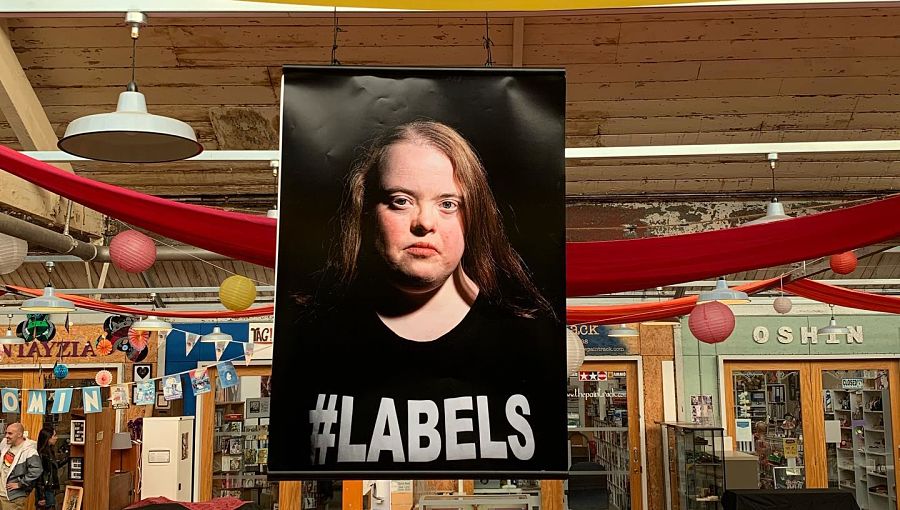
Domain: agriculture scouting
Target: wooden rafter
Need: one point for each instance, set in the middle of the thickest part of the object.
(24, 113)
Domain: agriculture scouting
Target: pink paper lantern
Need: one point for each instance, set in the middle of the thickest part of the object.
(132, 251)
(711, 322)
(843, 263)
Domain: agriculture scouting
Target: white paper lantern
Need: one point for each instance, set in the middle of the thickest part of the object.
(574, 352)
(12, 253)
(782, 304)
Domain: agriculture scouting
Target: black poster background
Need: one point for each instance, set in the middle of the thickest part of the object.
(514, 119)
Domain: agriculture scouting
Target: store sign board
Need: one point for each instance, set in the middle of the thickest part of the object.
(853, 383)
(598, 343)
(805, 335)
(790, 448)
(262, 332)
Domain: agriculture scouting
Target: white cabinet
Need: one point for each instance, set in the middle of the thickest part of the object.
(167, 458)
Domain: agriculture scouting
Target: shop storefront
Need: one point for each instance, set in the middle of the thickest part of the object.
(816, 411)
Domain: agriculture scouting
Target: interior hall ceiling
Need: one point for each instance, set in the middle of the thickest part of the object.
(701, 75)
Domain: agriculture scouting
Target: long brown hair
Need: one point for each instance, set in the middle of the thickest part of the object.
(489, 259)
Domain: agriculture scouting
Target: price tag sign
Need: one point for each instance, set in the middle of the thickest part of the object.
(790, 448)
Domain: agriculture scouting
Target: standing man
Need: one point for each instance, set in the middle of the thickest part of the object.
(20, 468)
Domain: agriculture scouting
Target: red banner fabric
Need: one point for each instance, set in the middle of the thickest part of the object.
(634, 264)
(860, 300)
(243, 236)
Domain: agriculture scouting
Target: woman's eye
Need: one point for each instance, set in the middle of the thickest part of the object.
(399, 201)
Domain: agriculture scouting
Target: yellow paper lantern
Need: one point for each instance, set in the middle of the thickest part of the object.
(237, 293)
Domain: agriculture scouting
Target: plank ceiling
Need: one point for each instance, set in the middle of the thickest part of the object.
(641, 77)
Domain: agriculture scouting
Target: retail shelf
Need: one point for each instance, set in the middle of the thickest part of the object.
(879, 475)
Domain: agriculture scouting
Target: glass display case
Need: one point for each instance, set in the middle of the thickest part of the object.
(695, 466)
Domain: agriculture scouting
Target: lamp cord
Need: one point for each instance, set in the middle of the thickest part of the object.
(334, 43)
(488, 43)
(133, 56)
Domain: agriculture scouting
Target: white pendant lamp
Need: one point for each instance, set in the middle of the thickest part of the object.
(775, 209)
(622, 331)
(216, 336)
(130, 134)
(152, 323)
(48, 302)
(10, 338)
(832, 328)
(723, 294)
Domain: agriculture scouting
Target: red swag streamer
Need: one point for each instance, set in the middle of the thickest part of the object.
(617, 266)
(591, 268)
(825, 293)
(639, 312)
(103, 306)
(242, 236)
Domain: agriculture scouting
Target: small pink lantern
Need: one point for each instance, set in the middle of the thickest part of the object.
(711, 322)
(132, 251)
(103, 378)
(782, 304)
(843, 263)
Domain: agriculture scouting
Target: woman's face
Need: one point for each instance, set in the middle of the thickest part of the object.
(418, 217)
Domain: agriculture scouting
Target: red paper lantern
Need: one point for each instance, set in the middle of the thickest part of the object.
(843, 263)
(711, 322)
(132, 251)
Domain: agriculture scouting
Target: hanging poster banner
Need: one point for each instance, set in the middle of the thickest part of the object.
(421, 275)
(118, 396)
(10, 399)
(62, 401)
(37, 402)
(90, 398)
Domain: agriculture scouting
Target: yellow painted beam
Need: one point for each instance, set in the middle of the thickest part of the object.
(26, 116)
(481, 6)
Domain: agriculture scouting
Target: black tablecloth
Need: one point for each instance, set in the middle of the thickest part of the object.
(787, 499)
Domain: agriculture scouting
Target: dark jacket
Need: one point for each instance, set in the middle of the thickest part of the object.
(49, 480)
(26, 468)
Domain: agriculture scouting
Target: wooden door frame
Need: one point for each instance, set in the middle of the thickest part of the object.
(288, 492)
(810, 368)
(636, 438)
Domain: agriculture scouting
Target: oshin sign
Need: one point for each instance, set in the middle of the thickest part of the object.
(807, 335)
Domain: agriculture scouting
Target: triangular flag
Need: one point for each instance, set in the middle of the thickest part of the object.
(189, 340)
(248, 352)
(220, 348)
(68, 323)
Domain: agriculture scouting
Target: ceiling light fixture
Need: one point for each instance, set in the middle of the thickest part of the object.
(130, 134)
(48, 302)
(723, 294)
(775, 209)
(216, 336)
(11, 338)
(832, 328)
(152, 322)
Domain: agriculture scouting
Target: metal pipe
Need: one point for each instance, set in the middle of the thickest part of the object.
(77, 251)
(47, 238)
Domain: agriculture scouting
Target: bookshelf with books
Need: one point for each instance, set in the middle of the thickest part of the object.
(241, 447)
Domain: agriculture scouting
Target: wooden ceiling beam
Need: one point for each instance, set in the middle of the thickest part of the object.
(24, 113)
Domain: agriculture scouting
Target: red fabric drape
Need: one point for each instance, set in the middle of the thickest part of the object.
(860, 300)
(103, 306)
(617, 266)
(618, 314)
(592, 268)
(242, 236)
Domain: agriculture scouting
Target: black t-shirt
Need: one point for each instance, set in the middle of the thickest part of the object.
(489, 395)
